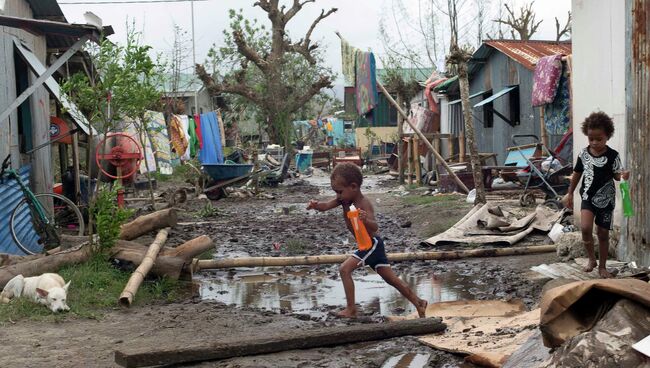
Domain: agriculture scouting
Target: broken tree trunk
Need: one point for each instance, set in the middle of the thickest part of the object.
(165, 265)
(390, 99)
(289, 340)
(144, 224)
(51, 263)
(138, 275)
(395, 257)
(475, 161)
(191, 248)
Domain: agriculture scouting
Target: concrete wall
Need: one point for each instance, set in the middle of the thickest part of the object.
(599, 72)
(39, 102)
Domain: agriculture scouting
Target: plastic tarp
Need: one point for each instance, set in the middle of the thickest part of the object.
(211, 151)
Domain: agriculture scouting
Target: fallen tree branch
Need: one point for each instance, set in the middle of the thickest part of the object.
(144, 224)
(289, 340)
(191, 248)
(132, 252)
(50, 263)
(394, 257)
(139, 274)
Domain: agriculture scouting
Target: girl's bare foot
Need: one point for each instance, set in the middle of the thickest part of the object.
(422, 307)
(590, 266)
(347, 313)
(604, 273)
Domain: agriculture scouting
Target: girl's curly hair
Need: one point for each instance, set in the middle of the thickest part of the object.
(599, 120)
(350, 172)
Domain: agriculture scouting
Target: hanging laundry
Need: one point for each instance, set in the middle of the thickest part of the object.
(149, 162)
(185, 124)
(348, 54)
(546, 79)
(197, 120)
(157, 130)
(212, 151)
(366, 82)
(194, 140)
(177, 135)
(557, 115)
(222, 129)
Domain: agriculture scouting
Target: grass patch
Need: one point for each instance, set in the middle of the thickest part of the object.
(447, 200)
(208, 254)
(94, 289)
(295, 246)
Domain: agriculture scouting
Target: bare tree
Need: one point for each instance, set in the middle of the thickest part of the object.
(564, 31)
(523, 24)
(457, 59)
(262, 60)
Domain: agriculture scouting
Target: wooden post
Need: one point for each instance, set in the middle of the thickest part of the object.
(75, 165)
(436, 145)
(400, 144)
(542, 127)
(290, 339)
(461, 185)
(416, 160)
(461, 146)
(409, 156)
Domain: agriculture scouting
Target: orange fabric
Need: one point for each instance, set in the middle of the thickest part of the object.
(177, 137)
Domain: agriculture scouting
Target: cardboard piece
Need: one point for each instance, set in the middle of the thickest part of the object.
(487, 330)
(570, 309)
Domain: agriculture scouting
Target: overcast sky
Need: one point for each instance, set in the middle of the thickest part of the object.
(356, 20)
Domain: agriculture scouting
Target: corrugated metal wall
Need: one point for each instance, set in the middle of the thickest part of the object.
(635, 243)
(10, 195)
(499, 72)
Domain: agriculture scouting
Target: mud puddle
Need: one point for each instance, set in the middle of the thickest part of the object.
(315, 293)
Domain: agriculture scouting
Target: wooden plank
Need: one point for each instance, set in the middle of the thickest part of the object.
(282, 341)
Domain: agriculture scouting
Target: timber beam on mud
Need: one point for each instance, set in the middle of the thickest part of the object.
(394, 257)
(290, 340)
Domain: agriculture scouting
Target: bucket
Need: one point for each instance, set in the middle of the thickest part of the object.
(303, 160)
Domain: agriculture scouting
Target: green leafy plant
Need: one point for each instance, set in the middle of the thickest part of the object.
(208, 210)
(109, 217)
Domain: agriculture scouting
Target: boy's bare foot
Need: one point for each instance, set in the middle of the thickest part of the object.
(347, 313)
(590, 266)
(422, 307)
(604, 273)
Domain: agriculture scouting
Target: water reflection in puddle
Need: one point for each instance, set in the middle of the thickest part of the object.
(309, 291)
(410, 360)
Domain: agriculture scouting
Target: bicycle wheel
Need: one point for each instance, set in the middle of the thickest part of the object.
(28, 230)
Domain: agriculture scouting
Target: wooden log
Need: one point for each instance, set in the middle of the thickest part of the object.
(51, 263)
(416, 160)
(134, 253)
(190, 249)
(283, 341)
(139, 274)
(394, 257)
(409, 157)
(144, 224)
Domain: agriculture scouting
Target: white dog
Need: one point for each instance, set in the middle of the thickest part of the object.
(49, 289)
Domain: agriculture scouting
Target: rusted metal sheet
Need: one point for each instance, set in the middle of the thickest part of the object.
(635, 243)
(528, 52)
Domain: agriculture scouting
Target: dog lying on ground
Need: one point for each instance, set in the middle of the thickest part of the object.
(48, 289)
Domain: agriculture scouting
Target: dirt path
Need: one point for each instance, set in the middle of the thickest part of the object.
(252, 227)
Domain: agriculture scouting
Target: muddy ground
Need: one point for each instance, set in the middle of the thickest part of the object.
(224, 309)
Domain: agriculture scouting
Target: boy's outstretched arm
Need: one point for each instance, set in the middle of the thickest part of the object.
(625, 174)
(323, 206)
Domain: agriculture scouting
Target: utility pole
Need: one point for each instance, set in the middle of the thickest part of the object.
(196, 96)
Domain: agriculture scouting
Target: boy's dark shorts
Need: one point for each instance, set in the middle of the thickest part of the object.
(375, 256)
(602, 216)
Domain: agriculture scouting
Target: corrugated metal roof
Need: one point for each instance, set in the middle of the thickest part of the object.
(527, 53)
(10, 195)
(46, 9)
